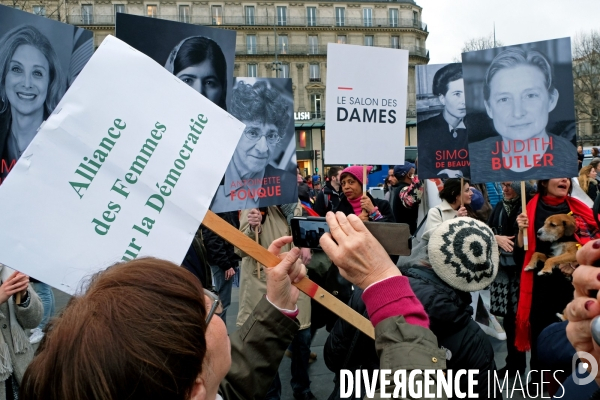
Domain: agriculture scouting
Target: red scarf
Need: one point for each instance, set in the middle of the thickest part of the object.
(583, 215)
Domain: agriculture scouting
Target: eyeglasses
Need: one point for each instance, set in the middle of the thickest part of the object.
(216, 305)
(254, 136)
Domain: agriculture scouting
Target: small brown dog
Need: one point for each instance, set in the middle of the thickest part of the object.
(555, 228)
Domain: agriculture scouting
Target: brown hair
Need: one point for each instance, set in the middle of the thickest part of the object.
(137, 333)
(542, 187)
(584, 175)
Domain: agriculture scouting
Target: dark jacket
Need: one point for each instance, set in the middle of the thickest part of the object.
(382, 205)
(402, 214)
(218, 251)
(450, 316)
(327, 200)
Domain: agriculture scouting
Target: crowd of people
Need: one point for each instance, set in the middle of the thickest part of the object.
(163, 335)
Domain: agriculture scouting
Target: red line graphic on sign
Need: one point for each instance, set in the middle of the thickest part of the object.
(344, 88)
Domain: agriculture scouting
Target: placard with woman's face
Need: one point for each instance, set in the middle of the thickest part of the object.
(262, 171)
(521, 110)
(200, 56)
(441, 116)
(39, 59)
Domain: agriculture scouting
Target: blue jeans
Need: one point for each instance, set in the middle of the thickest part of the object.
(223, 288)
(47, 297)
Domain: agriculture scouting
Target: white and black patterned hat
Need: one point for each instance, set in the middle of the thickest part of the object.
(464, 253)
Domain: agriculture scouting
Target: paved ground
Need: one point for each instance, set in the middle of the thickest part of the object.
(320, 376)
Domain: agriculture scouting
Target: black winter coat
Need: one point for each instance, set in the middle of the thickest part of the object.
(450, 316)
(220, 252)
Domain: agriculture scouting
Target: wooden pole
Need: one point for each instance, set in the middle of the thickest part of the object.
(213, 222)
(524, 211)
(258, 242)
(364, 179)
(18, 298)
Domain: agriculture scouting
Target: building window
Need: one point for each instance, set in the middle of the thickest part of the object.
(252, 68)
(251, 44)
(415, 18)
(281, 15)
(184, 14)
(87, 14)
(285, 71)
(302, 139)
(217, 15)
(369, 40)
(119, 8)
(311, 16)
(315, 73)
(341, 39)
(282, 44)
(418, 41)
(39, 10)
(152, 11)
(394, 17)
(315, 105)
(313, 44)
(395, 44)
(340, 16)
(367, 17)
(250, 16)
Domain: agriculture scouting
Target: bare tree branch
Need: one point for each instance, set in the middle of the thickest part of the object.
(586, 81)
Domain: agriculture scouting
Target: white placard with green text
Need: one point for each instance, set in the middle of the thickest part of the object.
(366, 104)
(125, 167)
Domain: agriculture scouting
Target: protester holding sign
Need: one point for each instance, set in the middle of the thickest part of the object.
(520, 92)
(15, 350)
(541, 297)
(188, 358)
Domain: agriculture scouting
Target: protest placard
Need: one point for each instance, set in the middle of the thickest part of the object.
(200, 56)
(48, 52)
(113, 173)
(262, 171)
(441, 131)
(366, 104)
(520, 112)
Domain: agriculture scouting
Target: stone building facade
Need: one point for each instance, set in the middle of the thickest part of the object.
(278, 38)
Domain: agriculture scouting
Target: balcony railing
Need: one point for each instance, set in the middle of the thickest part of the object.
(306, 49)
(238, 20)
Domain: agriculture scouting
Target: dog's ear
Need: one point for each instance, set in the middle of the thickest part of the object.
(569, 225)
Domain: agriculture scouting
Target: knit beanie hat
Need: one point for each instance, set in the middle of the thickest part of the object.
(476, 199)
(356, 171)
(464, 253)
(401, 170)
(529, 188)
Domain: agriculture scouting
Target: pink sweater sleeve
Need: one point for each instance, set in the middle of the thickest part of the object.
(392, 297)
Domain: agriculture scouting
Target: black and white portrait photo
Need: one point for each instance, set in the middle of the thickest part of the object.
(521, 112)
(39, 59)
(441, 132)
(200, 56)
(262, 171)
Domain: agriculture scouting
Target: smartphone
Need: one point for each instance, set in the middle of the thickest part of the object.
(307, 231)
(395, 238)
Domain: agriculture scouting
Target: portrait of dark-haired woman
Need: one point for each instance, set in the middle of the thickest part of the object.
(31, 85)
(443, 137)
(199, 62)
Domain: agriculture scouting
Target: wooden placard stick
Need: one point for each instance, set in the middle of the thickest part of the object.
(213, 222)
(257, 241)
(364, 179)
(18, 298)
(524, 211)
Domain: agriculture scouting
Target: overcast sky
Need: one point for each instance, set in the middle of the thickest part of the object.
(452, 22)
